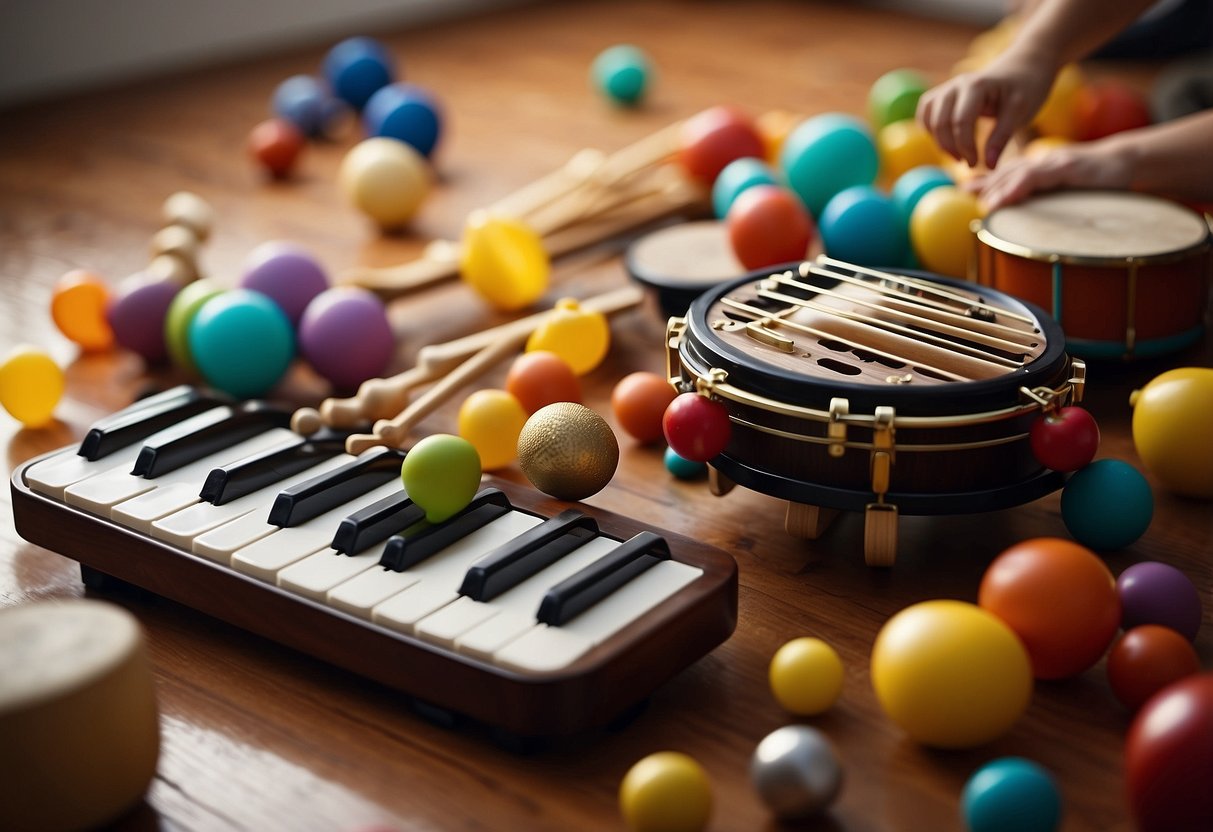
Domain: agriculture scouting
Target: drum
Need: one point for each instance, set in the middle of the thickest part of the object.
(678, 263)
(854, 389)
(1126, 274)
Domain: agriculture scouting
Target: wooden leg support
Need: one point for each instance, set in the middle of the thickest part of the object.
(808, 522)
(880, 534)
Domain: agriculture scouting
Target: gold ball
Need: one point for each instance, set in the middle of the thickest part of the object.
(568, 451)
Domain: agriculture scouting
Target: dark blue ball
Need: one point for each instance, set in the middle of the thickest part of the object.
(307, 104)
(357, 68)
(407, 113)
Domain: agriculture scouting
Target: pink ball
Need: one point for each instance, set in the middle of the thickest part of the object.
(346, 337)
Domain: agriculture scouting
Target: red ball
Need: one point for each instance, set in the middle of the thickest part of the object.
(696, 427)
(769, 225)
(1059, 598)
(1066, 440)
(1145, 660)
(275, 144)
(639, 402)
(1108, 107)
(711, 139)
(1169, 758)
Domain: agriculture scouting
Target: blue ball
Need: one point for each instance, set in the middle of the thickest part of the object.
(1011, 794)
(862, 226)
(827, 154)
(683, 468)
(914, 184)
(357, 68)
(1107, 505)
(307, 104)
(242, 342)
(737, 176)
(621, 73)
(404, 112)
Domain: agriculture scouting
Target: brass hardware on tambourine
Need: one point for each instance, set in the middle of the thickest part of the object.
(904, 378)
(674, 328)
(707, 385)
(758, 331)
(836, 431)
(725, 325)
(883, 449)
(1078, 379)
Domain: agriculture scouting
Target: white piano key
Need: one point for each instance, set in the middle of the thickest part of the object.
(452, 621)
(278, 549)
(51, 476)
(314, 576)
(441, 575)
(100, 493)
(361, 593)
(182, 527)
(549, 649)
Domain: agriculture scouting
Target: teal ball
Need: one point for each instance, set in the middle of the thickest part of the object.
(683, 468)
(241, 342)
(737, 176)
(1011, 794)
(862, 226)
(1107, 505)
(826, 154)
(622, 74)
(914, 184)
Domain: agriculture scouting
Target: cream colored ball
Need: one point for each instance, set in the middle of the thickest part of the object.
(385, 179)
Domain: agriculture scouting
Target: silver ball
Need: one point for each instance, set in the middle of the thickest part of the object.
(796, 771)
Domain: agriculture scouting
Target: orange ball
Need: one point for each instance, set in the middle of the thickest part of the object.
(1108, 107)
(639, 401)
(275, 145)
(78, 307)
(1145, 660)
(1059, 598)
(769, 225)
(540, 378)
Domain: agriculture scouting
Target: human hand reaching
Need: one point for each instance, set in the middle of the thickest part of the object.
(1099, 165)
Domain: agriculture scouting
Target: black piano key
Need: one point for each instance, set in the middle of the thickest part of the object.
(577, 593)
(230, 482)
(229, 426)
(376, 523)
(142, 419)
(404, 551)
(326, 492)
(528, 553)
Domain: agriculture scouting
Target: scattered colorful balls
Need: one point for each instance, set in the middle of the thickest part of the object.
(504, 260)
(275, 144)
(31, 385)
(441, 474)
(894, 96)
(180, 315)
(903, 146)
(356, 68)
(1158, 593)
(912, 185)
(826, 154)
(492, 420)
(696, 427)
(1107, 505)
(940, 231)
(738, 176)
(806, 676)
(796, 772)
(1170, 430)
(78, 308)
(580, 337)
(622, 73)
(1065, 440)
(287, 274)
(950, 674)
(385, 179)
(568, 451)
(712, 138)
(768, 225)
(540, 378)
(407, 113)
(1011, 794)
(861, 225)
(346, 336)
(1145, 660)
(241, 342)
(683, 468)
(138, 312)
(639, 401)
(666, 792)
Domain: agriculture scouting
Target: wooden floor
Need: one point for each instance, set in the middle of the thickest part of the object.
(256, 736)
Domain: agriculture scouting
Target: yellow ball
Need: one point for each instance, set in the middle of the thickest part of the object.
(904, 145)
(666, 792)
(1056, 116)
(491, 420)
(940, 233)
(581, 338)
(385, 179)
(31, 384)
(950, 674)
(806, 676)
(1171, 430)
(504, 260)
(568, 451)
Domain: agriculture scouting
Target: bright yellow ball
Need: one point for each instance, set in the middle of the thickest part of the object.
(666, 792)
(504, 260)
(385, 179)
(581, 338)
(491, 420)
(1171, 430)
(940, 233)
(31, 384)
(1056, 116)
(904, 145)
(951, 674)
(806, 676)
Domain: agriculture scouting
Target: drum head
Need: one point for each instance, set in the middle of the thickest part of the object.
(681, 262)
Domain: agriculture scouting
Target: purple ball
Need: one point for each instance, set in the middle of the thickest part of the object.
(346, 337)
(138, 312)
(287, 274)
(1156, 593)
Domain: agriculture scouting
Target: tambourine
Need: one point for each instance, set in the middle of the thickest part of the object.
(850, 388)
(1125, 274)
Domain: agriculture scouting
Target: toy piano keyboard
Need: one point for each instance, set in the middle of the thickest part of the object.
(533, 624)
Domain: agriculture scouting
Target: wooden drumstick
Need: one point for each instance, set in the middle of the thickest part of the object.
(392, 432)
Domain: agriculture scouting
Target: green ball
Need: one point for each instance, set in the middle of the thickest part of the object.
(441, 474)
(621, 73)
(894, 96)
(180, 315)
